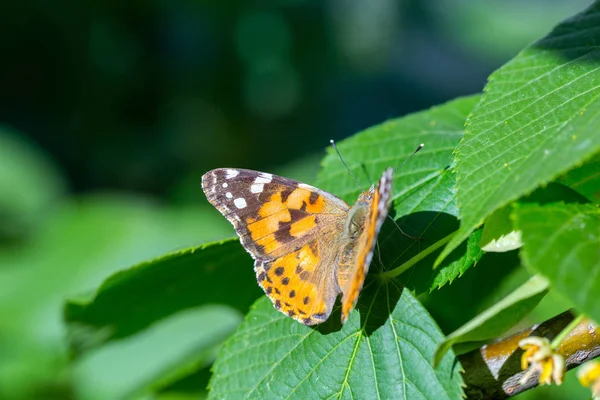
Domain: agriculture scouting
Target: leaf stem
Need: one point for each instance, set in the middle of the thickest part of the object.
(404, 267)
(565, 332)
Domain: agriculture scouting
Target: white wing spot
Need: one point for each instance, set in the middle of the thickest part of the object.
(305, 186)
(240, 202)
(257, 187)
(263, 178)
(231, 173)
(225, 184)
(229, 195)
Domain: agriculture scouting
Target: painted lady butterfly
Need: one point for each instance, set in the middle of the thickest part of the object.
(308, 245)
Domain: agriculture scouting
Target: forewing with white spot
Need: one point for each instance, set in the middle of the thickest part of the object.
(292, 230)
(271, 214)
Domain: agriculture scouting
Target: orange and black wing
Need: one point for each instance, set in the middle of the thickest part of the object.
(291, 230)
(363, 254)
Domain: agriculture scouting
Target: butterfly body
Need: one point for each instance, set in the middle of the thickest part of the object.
(308, 245)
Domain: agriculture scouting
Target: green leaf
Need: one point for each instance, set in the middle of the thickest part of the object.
(73, 249)
(383, 351)
(562, 242)
(146, 361)
(424, 203)
(135, 298)
(498, 233)
(537, 119)
(424, 183)
(498, 318)
(585, 179)
(448, 273)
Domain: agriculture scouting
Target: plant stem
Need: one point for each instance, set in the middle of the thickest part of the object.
(565, 332)
(404, 267)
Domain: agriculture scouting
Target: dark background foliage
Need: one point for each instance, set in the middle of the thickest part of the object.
(137, 95)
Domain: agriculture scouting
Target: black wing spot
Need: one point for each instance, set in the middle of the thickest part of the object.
(285, 281)
(282, 234)
(299, 270)
(277, 291)
(269, 289)
(285, 194)
(278, 304)
(292, 294)
(261, 277)
(306, 300)
(314, 196)
(279, 271)
(291, 313)
(296, 215)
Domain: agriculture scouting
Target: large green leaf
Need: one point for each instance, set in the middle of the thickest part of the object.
(537, 119)
(132, 366)
(73, 249)
(133, 299)
(424, 203)
(383, 351)
(169, 303)
(562, 242)
(76, 247)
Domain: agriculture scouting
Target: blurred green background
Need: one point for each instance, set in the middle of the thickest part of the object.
(110, 112)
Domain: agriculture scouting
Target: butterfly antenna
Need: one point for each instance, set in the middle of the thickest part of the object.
(409, 157)
(396, 169)
(400, 229)
(346, 165)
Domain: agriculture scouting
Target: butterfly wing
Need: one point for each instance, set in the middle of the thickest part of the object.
(291, 230)
(352, 282)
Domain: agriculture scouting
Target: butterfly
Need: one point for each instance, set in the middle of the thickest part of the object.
(308, 245)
